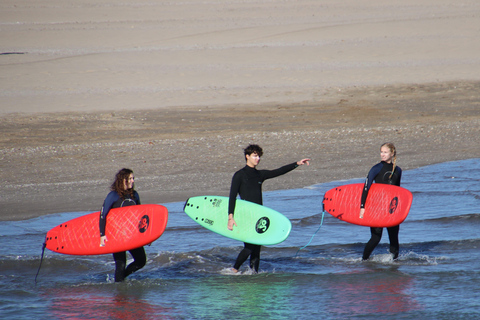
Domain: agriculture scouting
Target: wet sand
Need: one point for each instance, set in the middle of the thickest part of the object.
(61, 162)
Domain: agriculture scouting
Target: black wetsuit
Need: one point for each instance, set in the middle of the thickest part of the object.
(380, 173)
(113, 200)
(247, 183)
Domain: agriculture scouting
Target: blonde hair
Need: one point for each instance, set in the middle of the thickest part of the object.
(393, 150)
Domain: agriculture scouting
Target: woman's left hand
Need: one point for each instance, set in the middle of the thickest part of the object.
(362, 211)
(102, 241)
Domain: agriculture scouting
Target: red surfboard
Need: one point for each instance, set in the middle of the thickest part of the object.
(127, 228)
(386, 205)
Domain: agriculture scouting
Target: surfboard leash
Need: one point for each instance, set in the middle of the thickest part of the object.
(321, 223)
(41, 260)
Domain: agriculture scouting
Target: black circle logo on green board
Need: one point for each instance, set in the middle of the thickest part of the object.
(262, 225)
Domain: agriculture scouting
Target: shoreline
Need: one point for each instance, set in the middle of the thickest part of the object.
(64, 162)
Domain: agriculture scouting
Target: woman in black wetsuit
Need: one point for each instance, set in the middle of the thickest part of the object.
(386, 172)
(247, 183)
(122, 194)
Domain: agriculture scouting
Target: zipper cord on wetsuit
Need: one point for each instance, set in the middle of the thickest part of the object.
(321, 223)
(41, 260)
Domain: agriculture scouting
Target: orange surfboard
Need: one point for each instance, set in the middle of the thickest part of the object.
(127, 228)
(386, 205)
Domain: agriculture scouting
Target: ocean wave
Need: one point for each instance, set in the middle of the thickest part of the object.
(221, 253)
(315, 259)
(470, 218)
(412, 218)
(306, 221)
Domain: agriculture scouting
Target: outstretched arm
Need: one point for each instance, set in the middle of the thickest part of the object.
(268, 174)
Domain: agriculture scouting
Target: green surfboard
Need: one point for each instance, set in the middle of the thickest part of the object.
(256, 224)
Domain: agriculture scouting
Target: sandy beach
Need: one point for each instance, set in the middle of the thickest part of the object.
(176, 90)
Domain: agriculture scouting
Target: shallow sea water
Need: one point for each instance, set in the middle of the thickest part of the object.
(186, 277)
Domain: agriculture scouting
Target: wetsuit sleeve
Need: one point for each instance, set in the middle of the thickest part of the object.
(234, 189)
(137, 197)
(268, 174)
(107, 205)
(399, 170)
(368, 182)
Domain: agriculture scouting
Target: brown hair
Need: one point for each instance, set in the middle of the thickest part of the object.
(392, 148)
(119, 184)
(253, 148)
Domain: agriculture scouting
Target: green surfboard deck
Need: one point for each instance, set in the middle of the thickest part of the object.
(256, 224)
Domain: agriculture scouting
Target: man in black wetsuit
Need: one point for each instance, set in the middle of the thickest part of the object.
(247, 183)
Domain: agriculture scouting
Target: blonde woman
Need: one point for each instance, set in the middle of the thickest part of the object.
(386, 172)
